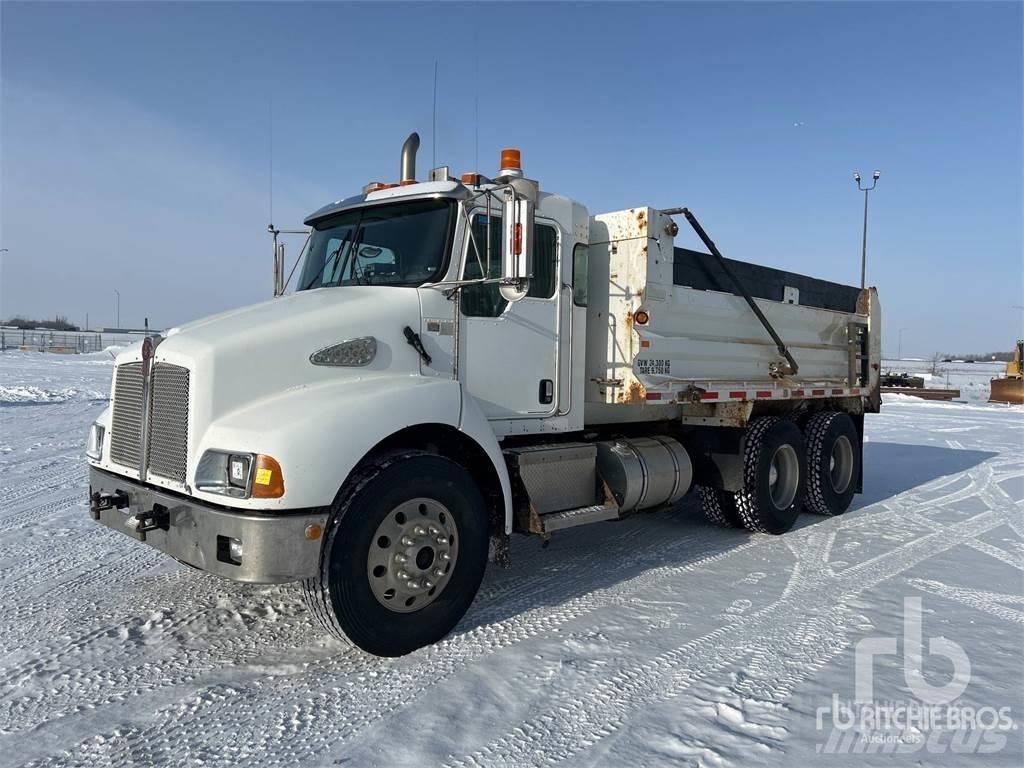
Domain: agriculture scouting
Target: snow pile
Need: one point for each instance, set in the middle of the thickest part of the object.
(30, 395)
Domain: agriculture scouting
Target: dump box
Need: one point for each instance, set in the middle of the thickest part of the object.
(669, 323)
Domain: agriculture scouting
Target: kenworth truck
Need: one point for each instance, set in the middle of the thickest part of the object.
(461, 359)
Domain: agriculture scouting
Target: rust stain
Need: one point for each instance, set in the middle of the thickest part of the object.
(635, 394)
(629, 320)
(641, 219)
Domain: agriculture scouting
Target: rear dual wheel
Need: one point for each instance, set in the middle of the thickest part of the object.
(833, 462)
(785, 471)
(774, 468)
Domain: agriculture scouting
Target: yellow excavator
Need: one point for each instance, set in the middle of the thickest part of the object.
(1010, 388)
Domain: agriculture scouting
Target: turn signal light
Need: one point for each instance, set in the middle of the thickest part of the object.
(267, 479)
(641, 317)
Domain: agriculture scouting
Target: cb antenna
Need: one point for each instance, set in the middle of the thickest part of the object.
(271, 159)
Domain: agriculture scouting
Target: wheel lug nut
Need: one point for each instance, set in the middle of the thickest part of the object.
(402, 576)
(434, 530)
(439, 572)
(400, 558)
(412, 584)
(419, 530)
(427, 583)
(442, 556)
(407, 542)
(441, 540)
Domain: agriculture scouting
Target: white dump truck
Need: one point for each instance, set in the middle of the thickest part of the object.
(462, 359)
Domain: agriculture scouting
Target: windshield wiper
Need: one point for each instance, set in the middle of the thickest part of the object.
(320, 272)
(357, 272)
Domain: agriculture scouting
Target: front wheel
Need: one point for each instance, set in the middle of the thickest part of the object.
(404, 554)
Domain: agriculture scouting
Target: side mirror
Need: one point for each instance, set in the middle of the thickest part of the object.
(517, 247)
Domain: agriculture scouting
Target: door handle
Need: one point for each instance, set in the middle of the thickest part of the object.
(546, 391)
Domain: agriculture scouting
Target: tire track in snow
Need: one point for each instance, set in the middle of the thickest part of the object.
(577, 720)
(386, 686)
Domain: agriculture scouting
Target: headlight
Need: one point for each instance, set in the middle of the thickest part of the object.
(354, 352)
(223, 472)
(241, 475)
(94, 445)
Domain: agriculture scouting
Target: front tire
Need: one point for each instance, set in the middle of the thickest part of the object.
(404, 554)
(774, 472)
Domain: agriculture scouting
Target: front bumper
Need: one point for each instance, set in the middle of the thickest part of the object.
(275, 547)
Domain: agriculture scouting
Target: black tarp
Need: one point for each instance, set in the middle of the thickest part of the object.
(703, 272)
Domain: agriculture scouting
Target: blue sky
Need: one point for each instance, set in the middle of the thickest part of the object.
(135, 138)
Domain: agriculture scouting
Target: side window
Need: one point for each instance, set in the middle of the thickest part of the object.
(486, 300)
(483, 300)
(545, 262)
(580, 254)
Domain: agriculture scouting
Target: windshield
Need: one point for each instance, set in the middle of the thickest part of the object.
(399, 244)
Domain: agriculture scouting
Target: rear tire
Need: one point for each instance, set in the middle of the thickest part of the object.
(404, 554)
(833, 462)
(774, 472)
(719, 507)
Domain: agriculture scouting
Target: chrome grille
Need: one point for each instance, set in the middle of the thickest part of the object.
(168, 421)
(126, 424)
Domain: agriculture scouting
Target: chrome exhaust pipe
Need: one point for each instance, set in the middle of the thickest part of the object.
(409, 157)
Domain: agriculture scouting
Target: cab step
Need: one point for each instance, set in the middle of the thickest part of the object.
(569, 518)
(557, 487)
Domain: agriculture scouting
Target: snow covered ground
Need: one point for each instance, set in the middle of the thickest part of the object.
(660, 640)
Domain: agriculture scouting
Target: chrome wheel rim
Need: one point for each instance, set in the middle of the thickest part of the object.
(412, 555)
(784, 476)
(840, 465)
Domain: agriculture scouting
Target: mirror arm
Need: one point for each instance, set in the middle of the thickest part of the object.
(472, 239)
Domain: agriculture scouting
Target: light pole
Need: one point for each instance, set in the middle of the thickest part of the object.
(864, 242)
(899, 349)
(118, 295)
(2, 250)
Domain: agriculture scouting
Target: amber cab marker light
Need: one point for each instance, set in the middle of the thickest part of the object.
(267, 480)
(511, 160)
(641, 317)
(469, 179)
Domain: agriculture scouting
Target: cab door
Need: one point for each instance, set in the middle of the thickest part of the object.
(509, 350)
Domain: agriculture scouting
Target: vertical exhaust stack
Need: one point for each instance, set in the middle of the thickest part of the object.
(409, 158)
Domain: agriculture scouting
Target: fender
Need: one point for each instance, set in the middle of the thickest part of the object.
(319, 433)
(474, 425)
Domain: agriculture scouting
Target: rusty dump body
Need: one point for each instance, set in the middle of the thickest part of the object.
(669, 326)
